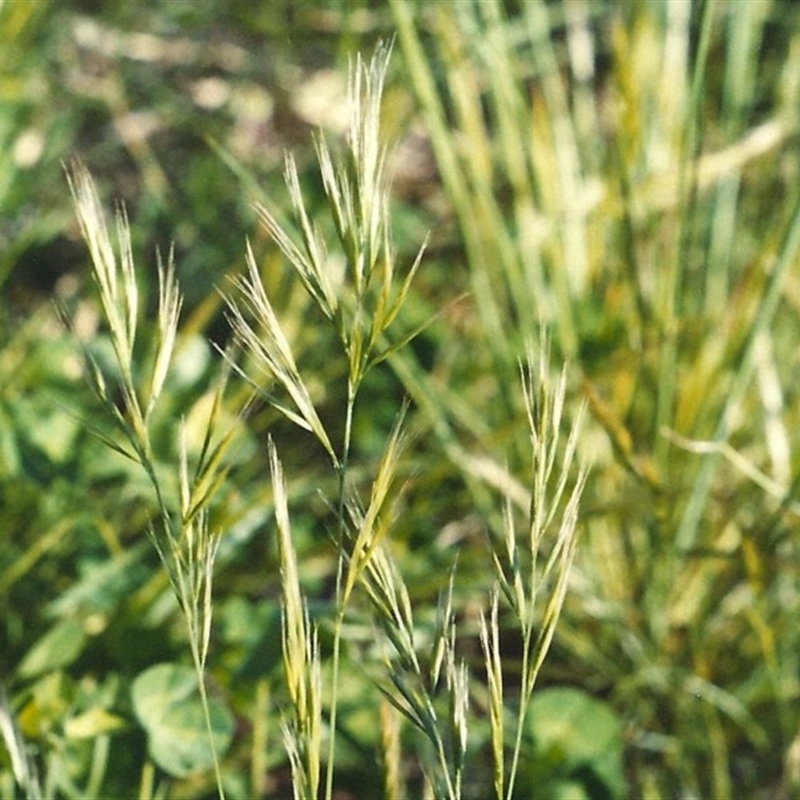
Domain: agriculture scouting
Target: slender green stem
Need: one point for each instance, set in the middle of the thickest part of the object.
(451, 792)
(341, 537)
(207, 714)
(525, 693)
(186, 591)
(337, 639)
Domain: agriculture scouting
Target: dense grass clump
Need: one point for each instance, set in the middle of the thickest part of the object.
(447, 447)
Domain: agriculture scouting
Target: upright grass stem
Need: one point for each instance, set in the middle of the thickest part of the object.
(341, 536)
(552, 514)
(185, 545)
(362, 303)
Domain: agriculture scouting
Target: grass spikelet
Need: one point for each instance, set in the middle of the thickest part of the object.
(265, 341)
(490, 642)
(301, 661)
(393, 787)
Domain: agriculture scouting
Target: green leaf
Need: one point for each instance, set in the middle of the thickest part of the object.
(51, 430)
(102, 586)
(59, 647)
(166, 702)
(578, 730)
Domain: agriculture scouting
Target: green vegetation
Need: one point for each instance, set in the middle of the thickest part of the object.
(412, 419)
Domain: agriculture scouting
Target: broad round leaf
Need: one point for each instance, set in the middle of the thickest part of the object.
(167, 703)
(581, 731)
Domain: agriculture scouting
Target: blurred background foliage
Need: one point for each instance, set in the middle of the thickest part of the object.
(624, 172)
